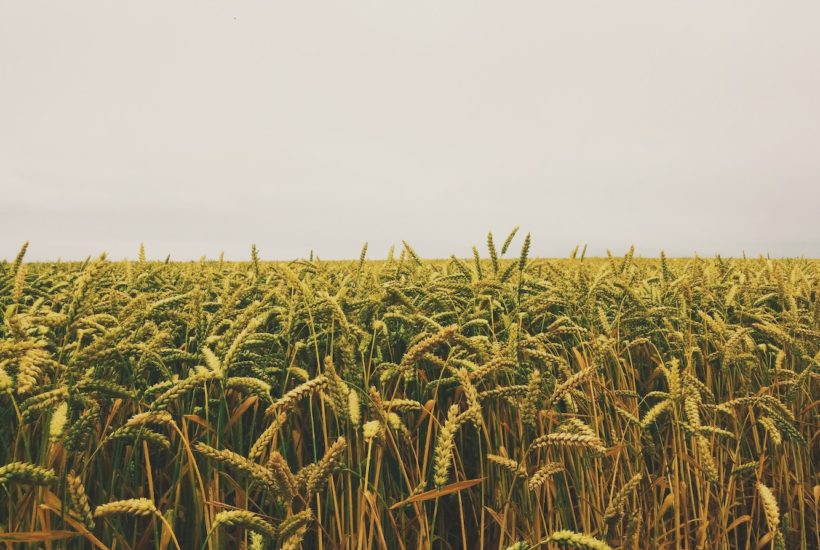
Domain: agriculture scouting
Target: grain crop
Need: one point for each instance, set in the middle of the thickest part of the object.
(490, 402)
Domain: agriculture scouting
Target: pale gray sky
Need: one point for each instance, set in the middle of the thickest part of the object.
(201, 126)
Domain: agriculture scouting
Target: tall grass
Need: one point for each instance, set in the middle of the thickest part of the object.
(490, 403)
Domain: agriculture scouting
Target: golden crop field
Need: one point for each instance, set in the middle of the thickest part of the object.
(500, 402)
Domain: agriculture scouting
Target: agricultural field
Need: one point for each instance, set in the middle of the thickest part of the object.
(501, 402)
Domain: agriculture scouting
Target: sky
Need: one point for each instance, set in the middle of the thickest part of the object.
(205, 126)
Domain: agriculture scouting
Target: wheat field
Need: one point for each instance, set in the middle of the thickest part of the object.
(498, 402)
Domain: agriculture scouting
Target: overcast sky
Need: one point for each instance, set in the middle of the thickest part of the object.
(205, 126)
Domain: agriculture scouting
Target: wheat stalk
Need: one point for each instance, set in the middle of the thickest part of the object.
(577, 540)
(132, 507)
(770, 507)
(444, 447)
(537, 479)
(22, 472)
(246, 519)
(79, 500)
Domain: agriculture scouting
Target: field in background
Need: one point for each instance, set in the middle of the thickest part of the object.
(494, 403)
